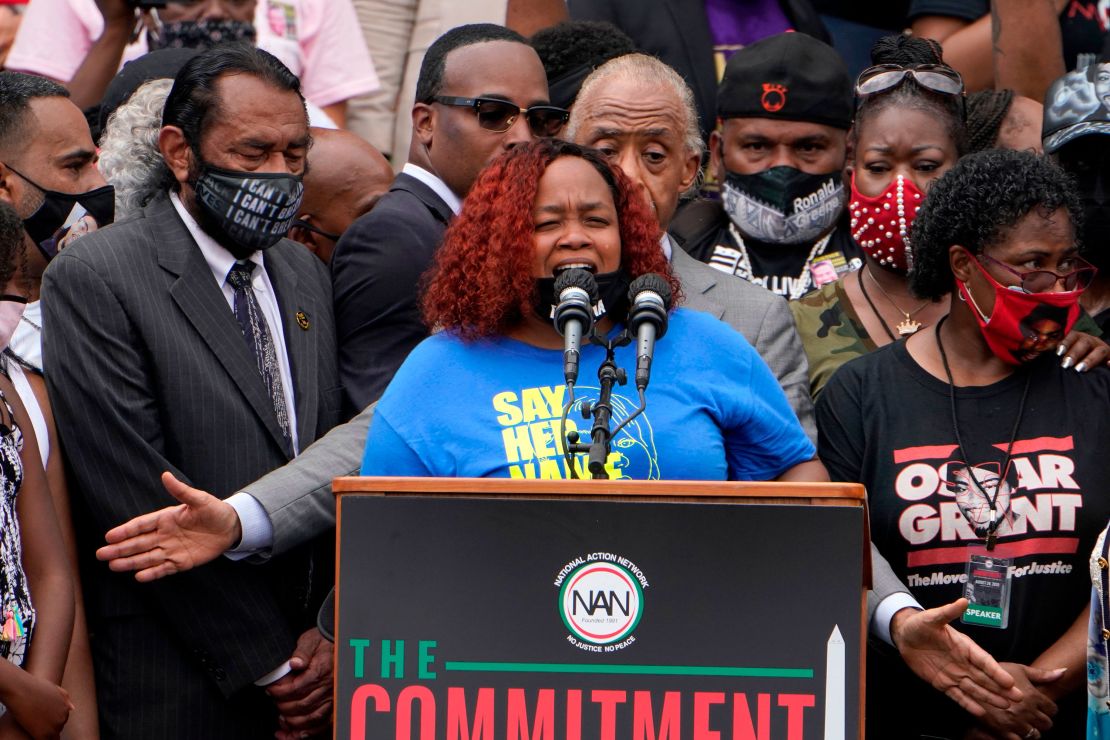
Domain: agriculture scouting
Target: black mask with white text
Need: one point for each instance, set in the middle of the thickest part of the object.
(247, 211)
(612, 291)
(783, 205)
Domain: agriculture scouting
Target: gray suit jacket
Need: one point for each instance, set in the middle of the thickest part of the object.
(148, 371)
(761, 316)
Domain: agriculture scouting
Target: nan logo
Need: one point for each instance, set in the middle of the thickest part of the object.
(601, 600)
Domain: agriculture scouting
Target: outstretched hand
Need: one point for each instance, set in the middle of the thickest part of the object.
(950, 660)
(177, 538)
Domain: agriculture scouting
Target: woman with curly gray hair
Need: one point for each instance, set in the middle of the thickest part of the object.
(983, 457)
(129, 155)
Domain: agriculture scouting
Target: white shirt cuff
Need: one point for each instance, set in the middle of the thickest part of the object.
(258, 531)
(274, 675)
(888, 607)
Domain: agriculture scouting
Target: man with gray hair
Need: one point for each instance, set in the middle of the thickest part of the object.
(640, 114)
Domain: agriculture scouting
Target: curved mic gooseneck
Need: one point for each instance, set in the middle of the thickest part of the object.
(650, 298)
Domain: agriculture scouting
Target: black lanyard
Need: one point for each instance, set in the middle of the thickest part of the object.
(993, 501)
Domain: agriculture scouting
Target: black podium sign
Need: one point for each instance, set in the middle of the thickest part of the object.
(585, 620)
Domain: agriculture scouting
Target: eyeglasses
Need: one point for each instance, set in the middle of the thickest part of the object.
(309, 227)
(500, 115)
(935, 77)
(1042, 281)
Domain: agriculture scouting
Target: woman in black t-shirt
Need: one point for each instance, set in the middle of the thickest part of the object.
(908, 131)
(971, 434)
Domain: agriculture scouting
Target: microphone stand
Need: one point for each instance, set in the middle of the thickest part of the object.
(600, 435)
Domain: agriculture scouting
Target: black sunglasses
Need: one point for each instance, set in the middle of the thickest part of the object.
(500, 115)
(935, 77)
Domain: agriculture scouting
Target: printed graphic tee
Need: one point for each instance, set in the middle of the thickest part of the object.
(493, 408)
(885, 422)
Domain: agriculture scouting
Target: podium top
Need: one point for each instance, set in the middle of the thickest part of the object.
(826, 493)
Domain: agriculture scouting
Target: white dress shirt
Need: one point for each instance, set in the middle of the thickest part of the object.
(438, 186)
(220, 261)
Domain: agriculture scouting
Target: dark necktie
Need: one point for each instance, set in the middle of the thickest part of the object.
(255, 331)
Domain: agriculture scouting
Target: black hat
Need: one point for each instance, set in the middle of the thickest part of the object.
(156, 65)
(790, 76)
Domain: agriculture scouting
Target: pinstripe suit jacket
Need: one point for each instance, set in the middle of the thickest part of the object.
(148, 371)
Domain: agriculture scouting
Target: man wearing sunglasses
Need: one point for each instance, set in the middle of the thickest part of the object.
(482, 90)
(785, 105)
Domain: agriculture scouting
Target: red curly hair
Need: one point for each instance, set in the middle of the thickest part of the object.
(481, 283)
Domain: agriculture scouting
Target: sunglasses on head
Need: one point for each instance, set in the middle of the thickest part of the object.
(936, 77)
(500, 115)
(1042, 281)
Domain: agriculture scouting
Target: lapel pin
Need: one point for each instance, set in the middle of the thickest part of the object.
(302, 320)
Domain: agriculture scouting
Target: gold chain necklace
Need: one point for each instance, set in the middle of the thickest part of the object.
(908, 325)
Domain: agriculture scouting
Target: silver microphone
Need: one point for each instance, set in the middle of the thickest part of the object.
(650, 296)
(576, 290)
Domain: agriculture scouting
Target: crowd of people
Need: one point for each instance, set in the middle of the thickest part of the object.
(246, 249)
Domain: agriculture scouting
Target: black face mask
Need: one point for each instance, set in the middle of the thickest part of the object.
(247, 211)
(51, 222)
(783, 205)
(203, 34)
(612, 291)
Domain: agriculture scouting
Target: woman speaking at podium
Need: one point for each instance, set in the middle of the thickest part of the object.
(485, 396)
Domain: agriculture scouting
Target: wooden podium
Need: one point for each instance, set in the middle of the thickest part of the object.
(599, 610)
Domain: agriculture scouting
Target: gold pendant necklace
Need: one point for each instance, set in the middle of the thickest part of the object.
(908, 325)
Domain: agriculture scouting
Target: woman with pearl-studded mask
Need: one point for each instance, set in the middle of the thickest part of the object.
(908, 131)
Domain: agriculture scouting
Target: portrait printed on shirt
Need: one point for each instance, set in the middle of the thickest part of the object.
(946, 505)
(532, 434)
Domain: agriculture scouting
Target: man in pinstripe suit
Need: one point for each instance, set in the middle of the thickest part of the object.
(194, 339)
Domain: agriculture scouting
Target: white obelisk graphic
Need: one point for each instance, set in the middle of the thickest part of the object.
(834, 686)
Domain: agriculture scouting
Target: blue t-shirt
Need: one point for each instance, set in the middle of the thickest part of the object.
(492, 408)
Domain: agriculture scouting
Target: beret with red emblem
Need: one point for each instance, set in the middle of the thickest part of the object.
(789, 76)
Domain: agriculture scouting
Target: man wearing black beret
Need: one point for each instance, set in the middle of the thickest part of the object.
(784, 105)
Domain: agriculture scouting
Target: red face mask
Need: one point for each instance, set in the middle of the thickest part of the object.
(881, 224)
(1023, 325)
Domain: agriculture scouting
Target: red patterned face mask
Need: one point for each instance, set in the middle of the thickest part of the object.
(1022, 325)
(881, 224)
